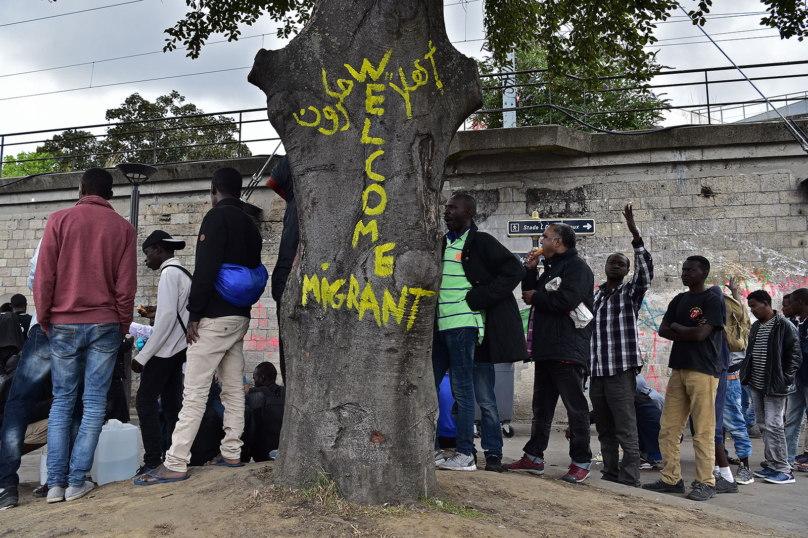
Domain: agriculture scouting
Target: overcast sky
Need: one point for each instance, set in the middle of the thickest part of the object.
(136, 27)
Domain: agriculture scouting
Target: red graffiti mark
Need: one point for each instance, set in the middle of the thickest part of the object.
(261, 343)
(653, 375)
(658, 340)
(259, 316)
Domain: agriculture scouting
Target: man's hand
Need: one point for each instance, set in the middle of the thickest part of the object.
(733, 287)
(147, 312)
(137, 367)
(527, 296)
(628, 214)
(733, 284)
(531, 260)
(193, 332)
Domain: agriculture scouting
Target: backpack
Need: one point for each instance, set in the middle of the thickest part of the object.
(737, 326)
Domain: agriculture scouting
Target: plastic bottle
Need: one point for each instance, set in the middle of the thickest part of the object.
(117, 455)
(43, 468)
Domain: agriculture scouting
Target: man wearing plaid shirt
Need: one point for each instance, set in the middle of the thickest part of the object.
(615, 359)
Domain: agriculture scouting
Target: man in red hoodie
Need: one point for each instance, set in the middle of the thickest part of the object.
(84, 291)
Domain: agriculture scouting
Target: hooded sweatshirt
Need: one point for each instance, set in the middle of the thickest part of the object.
(87, 267)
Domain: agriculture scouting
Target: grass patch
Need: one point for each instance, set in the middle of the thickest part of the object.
(324, 493)
(445, 505)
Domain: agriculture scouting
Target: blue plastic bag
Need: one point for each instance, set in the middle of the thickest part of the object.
(240, 286)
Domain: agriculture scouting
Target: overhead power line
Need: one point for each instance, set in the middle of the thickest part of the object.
(70, 13)
(124, 83)
(719, 33)
(716, 41)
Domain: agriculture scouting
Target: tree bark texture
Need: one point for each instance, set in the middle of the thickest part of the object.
(366, 100)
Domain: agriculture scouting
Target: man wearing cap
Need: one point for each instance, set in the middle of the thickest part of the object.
(160, 361)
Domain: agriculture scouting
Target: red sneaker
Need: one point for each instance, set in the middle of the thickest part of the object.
(526, 465)
(575, 475)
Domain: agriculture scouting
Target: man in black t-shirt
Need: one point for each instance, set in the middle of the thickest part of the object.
(694, 323)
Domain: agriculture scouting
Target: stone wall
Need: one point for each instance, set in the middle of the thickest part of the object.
(731, 193)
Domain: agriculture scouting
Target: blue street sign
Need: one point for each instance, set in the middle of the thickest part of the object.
(535, 227)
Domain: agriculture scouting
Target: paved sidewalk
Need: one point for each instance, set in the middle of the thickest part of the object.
(778, 507)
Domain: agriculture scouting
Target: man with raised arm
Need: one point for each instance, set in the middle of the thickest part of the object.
(615, 358)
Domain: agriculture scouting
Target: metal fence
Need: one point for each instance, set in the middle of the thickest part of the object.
(246, 131)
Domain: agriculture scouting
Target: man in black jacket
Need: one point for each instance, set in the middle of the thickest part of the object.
(264, 414)
(280, 181)
(560, 350)
(216, 329)
(773, 358)
(478, 324)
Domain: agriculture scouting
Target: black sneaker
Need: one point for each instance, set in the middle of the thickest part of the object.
(754, 432)
(701, 492)
(42, 491)
(722, 485)
(663, 487)
(493, 463)
(9, 498)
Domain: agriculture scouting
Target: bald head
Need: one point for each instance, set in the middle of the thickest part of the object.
(459, 211)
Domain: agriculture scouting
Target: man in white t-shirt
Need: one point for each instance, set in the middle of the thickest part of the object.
(161, 359)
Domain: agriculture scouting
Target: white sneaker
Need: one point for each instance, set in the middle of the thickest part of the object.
(439, 459)
(459, 462)
(72, 494)
(56, 495)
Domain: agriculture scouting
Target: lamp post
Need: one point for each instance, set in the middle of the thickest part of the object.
(137, 174)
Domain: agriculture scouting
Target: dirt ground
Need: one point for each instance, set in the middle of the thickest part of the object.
(242, 502)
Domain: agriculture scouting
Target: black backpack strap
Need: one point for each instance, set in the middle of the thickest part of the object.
(187, 272)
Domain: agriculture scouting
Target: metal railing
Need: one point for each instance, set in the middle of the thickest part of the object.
(707, 110)
(232, 130)
(236, 129)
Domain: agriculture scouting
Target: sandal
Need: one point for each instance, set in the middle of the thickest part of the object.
(219, 462)
(158, 479)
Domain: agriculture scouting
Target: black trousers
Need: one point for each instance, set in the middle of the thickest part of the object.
(616, 420)
(161, 378)
(553, 379)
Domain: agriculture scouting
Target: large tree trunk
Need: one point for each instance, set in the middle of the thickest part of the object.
(366, 99)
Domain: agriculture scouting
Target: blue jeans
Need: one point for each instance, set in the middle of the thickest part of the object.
(734, 421)
(32, 371)
(491, 431)
(795, 410)
(748, 406)
(78, 352)
(453, 351)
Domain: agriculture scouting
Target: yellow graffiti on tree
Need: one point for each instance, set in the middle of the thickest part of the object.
(334, 118)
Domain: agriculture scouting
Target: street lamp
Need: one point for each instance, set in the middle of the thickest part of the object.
(137, 174)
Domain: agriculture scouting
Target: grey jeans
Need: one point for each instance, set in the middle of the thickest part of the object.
(616, 420)
(769, 417)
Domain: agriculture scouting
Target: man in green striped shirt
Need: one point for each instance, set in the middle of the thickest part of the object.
(477, 318)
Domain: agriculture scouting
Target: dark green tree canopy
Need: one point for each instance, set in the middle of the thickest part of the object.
(584, 37)
(170, 140)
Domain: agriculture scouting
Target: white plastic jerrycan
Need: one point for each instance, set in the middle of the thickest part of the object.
(43, 468)
(117, 456)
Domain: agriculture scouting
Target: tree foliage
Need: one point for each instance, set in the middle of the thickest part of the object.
(36, 162)
(587, 37)
(170, 140)
(583, 99)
